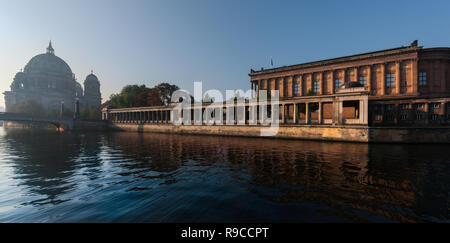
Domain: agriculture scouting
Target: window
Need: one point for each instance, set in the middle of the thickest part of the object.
(419, 106)
(422, 79)
(403, 106)
(337, 83)
(435, 105)
(403, 117)
(297, 89)
(316, 87)
(390, 107)
(363, 80)
(419, 117)
(434, 117)
(390, 80)
(389, 117)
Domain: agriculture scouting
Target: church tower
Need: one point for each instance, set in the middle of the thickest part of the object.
(92, 95)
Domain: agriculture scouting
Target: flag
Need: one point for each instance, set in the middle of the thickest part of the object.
(271, 62)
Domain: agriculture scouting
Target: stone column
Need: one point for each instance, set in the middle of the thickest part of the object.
(300, 83)
(321, 92)
(369, 79)
(398, 76)
(415, 76)
(363, 112)
(344, 80)
(383, 78)
(320, 113)
(443, 68)
(283, 114)
(445, 112)
(258, 88)
(307, 115)
(332, 82)
(280, 82)
(295, 113)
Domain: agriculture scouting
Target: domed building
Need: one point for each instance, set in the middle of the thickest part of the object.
(49, 80)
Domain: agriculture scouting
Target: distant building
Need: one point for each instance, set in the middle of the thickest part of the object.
(405, 86)
(49, 80)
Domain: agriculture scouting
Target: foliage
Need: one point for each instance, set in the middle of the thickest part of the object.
(165, 91)
(92, 113)
(28, 107)
(141, 96)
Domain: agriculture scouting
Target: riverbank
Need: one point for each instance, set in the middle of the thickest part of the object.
(360, 134)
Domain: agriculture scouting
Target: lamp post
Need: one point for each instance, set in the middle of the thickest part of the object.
(76, 114)
(61, 115)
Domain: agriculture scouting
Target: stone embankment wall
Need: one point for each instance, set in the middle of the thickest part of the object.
(362, 134)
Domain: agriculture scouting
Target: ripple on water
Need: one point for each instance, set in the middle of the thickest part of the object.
(128, 177)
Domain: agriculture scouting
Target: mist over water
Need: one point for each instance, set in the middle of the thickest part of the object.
(130, 177)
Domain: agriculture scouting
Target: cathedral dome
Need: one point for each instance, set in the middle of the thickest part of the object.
(91, 77)
(48, 63)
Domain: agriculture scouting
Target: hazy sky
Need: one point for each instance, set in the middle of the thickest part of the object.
(214, 41)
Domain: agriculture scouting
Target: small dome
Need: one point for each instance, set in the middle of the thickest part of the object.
(91, 77)
(20, 76)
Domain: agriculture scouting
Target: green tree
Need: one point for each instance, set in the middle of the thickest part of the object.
(28, 107)
(165, 91)
(140, 96)
(91, 113)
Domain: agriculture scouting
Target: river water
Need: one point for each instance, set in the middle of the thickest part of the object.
(130, 177)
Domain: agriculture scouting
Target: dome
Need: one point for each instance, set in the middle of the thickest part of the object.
(20, 76)
(91, 77)
(48, 63)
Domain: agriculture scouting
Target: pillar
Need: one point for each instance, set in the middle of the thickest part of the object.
(307, 115)
(383, 78)
(415, 76)
(321, 83)
(443, 68)
(332, 82)
(280, 82)
(290, 86)
(295, 113)
(253, 88)
(320, 113)
(344, 80)
(258, 88)
(369, 79)
(300, 84)
(398, 76)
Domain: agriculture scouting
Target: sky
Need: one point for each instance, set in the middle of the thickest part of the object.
(213, 41)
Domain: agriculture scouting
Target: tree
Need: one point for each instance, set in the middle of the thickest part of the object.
(28, 107)
(154, 97)
(141, 96)
(130, 96)
(91, 113)
(166, 90)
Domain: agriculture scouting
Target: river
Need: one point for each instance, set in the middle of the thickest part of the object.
(130, 177)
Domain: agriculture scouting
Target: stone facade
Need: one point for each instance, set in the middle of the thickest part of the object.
(49, 80)
(402, 83)
(395, 95)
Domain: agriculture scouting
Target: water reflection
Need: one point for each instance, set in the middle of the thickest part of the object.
(172, 178)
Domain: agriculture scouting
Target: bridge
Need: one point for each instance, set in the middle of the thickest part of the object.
(65, 124)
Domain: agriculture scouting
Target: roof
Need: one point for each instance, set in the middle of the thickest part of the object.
(339, 59)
